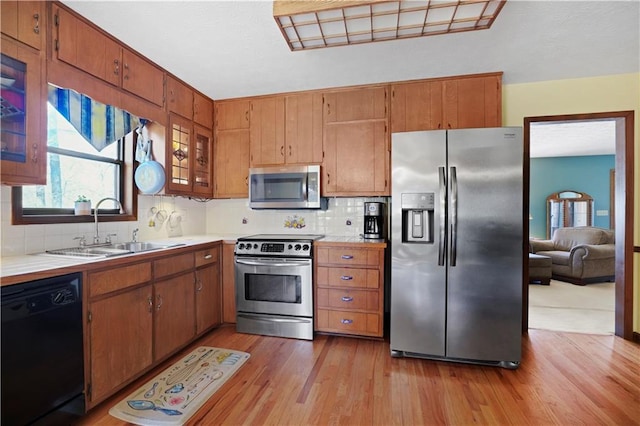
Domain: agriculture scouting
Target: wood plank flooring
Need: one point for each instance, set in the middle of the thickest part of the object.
(563, 379)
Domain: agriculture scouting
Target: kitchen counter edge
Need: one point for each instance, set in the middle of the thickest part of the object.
(29, 267)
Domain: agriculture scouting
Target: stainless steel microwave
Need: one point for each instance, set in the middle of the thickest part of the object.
(285, 187)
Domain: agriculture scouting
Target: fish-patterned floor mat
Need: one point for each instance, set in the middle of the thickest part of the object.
(174, 395)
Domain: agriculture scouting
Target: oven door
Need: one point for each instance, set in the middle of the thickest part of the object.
(274, 286)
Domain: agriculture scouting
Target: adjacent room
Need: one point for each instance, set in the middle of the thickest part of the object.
(573, 185)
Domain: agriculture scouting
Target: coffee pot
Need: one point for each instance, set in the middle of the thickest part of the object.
(373, 220)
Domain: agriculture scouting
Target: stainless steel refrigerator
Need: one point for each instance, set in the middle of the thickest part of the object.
(456, 245)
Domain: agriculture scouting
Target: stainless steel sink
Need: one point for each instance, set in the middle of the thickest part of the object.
(103, 251)
(135, 246)
(109, 250)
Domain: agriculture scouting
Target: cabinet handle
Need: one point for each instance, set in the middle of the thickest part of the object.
(199, 281)
(282, 150)
(328, 178)
(246, 115)
(347, 256)
(328, 108)
(159, 303)
(126, 67)
(34, 157)
(208, 256)
(347, 299)
(346, 278)
(36, 26)
(346, 321)
(150, 300)
(289, 150)
(116, 67)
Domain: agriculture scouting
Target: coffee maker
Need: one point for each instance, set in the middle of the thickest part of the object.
(374, 220)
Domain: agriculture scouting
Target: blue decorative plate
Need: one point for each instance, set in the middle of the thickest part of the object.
(150, 177)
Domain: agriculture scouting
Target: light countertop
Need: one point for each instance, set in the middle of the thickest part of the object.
(13, 266)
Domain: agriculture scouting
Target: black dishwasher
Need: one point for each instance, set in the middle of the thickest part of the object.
(42, 352)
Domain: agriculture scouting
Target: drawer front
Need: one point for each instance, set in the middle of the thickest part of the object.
(348, 277)
(360, 300)
(349, 322)
(173, 265)
(348, 256)
(207, 256)
(103, 282)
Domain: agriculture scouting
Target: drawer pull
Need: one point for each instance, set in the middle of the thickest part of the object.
(346, 321)
(346, 278)
(208, 256)
(347, 256)
(347, 299)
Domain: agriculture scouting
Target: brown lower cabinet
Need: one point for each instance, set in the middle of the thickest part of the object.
(349, 288)
(141, 312)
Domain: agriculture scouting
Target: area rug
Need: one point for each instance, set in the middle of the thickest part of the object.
(563, 306)
(174, 395)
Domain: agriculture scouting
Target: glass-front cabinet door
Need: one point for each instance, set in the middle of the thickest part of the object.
(179, 159)
(202, 167)
(23, 146)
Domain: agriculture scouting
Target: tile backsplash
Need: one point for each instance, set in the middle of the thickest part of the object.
(181, 217)
(343, 217)
(160, 217)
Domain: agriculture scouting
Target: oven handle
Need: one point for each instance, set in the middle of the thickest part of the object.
(279, 262)
(272, 319)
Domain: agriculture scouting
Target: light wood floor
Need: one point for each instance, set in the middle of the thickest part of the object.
(563, 379)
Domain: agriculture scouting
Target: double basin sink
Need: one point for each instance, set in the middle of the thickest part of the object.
(109, 250)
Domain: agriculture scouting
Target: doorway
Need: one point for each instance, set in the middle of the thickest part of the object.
(622, 209)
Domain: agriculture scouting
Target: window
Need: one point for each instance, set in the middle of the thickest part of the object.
(74, 168)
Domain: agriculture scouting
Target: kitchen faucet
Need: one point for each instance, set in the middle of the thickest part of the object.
(96, 237)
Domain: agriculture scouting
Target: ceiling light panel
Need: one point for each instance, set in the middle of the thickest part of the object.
(323, 23)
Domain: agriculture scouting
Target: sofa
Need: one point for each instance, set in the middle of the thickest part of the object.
(579, 255)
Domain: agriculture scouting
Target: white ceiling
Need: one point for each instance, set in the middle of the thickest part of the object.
(229, 49)
(572, 138)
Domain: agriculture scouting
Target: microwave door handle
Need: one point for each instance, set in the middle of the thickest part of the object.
(305, 186)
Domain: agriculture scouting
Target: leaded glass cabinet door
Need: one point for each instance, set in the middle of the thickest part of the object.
(203, 164)
(22, 115)
(180, 159)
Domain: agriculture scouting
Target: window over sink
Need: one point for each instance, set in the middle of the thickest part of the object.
(76, 168)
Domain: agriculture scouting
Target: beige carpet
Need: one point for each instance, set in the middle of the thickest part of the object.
(563, 306)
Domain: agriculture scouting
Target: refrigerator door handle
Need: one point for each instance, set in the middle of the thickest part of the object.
(454, 215)
(443, 226)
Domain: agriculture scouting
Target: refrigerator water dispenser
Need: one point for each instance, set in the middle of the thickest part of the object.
(417, 217)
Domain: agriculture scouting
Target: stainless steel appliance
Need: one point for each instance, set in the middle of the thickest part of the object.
(285, 187)
(457, 236)
(42, 352)
(274, 285)
(374, 220)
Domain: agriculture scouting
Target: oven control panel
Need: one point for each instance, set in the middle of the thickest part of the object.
(271, 248)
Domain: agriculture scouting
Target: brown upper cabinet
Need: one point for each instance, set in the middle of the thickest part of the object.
(202, 110)
(356, 142)
(451, 103)
(266, 125)
(81, 44)
(24, 21)
(286, 129)
(231, 152)
(179, 98)
(303, 128)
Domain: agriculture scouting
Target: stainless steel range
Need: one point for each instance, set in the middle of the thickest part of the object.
(274, 285)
